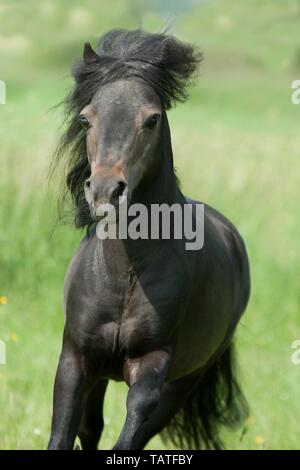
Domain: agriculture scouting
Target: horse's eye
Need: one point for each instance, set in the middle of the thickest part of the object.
(84, 121)
(151, 121)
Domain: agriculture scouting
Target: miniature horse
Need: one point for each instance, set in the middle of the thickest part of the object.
(144, 311)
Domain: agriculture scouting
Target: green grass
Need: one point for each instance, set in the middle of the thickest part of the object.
(236, 146)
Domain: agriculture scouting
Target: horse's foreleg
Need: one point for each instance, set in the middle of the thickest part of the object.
(91, 424)
(146, 376)
(67, 402)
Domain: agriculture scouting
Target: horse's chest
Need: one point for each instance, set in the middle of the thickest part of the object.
(130, 317)
(149, 316)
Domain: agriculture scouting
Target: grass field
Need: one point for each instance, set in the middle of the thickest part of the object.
(236, 146)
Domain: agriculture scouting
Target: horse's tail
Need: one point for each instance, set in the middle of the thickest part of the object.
(216, 401)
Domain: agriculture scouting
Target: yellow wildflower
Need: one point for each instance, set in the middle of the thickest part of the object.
(14, 337)
(259, 440)
(3, 299)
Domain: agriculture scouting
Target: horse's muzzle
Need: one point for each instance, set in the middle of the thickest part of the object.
(104, 195)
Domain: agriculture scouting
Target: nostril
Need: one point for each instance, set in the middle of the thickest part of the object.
(121, 188)
(88, 183)
(118, 190)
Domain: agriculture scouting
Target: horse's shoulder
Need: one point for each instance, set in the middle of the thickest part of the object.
(75, 262)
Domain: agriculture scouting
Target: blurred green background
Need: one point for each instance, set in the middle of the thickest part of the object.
(236, 145)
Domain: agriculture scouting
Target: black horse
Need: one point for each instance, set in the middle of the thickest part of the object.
(146, 311)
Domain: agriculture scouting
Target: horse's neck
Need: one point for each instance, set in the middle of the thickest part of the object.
(122, 255)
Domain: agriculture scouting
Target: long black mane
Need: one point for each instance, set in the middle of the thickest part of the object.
(163, 62)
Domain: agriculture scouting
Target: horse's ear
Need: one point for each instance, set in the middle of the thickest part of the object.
(89, 55)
